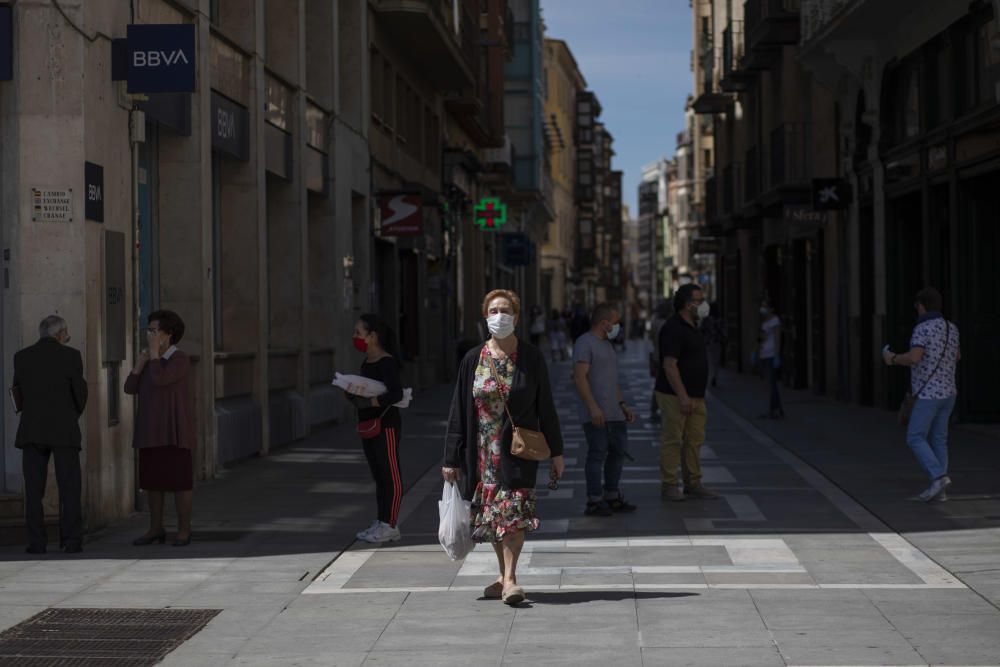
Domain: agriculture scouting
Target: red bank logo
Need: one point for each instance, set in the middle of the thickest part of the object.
(402, 214)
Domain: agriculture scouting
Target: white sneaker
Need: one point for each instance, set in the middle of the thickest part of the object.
(362, 535)
(936, 488)
(383, 533)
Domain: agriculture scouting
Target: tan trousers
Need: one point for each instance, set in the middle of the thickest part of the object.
(681, 438)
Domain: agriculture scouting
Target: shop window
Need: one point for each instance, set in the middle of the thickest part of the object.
(937, 85)
(279, 103)
(976, 61)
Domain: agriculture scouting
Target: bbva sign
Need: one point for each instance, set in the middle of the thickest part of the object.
(161, 58)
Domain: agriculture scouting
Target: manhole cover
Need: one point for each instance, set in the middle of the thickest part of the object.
(83, 637)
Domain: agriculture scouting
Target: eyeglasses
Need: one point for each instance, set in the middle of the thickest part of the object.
(152, 330)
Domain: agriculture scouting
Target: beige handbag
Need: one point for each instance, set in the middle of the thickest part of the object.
(525, 443)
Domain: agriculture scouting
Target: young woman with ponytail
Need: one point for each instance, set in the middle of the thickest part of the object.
(379, 424)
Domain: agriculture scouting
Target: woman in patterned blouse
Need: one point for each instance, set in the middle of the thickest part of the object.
(477, 454)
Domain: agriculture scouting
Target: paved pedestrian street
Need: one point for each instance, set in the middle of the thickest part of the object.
(783, 569)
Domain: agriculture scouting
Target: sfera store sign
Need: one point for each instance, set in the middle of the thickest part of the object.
(161, 58)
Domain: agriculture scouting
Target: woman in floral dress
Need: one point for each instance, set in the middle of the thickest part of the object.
(477, 454)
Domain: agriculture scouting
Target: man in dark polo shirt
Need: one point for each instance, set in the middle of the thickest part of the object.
(680, 394)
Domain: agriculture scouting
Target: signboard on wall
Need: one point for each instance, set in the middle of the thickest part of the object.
(114, 296)
(230, 127)
(52, 204)
(94, 203)
(830, 194)
(401, 214)
(797, 214)
(6, 43)
(161, 58)
(518, 250)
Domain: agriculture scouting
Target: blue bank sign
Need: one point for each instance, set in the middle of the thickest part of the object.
(161, 58)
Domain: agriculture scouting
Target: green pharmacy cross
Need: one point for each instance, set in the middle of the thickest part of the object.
(491, 213)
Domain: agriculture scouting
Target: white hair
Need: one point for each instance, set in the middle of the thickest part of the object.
(51, 326)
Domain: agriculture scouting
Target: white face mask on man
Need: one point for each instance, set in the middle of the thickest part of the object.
(704, 310)
(615, 330)
(501, 325)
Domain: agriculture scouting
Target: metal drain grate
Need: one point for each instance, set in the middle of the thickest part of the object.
(84, 637)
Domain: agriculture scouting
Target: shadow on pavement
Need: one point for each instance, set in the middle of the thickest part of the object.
(583, 597)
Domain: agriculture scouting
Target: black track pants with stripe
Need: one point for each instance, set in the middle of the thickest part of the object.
(383, 460)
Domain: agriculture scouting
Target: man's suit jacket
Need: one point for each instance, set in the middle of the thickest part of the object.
(54, 394)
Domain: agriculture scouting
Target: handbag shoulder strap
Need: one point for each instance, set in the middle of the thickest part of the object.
(506, 397)
(944, 351)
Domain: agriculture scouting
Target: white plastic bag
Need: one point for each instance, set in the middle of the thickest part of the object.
(454, 531)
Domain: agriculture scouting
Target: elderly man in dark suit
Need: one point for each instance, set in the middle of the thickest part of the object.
(49, 384)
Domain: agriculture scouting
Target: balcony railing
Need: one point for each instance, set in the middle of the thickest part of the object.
(733, 48)
(817, 14)
(789, 163)
(437, 39)
(771, 23)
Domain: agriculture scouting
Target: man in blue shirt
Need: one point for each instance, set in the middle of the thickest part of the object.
(603, 412)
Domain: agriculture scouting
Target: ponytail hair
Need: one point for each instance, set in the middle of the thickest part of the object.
(386, 336)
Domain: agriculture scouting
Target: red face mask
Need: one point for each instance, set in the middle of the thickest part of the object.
(359, 344)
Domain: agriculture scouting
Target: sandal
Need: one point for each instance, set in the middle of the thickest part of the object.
(494, 591)
(513, 595)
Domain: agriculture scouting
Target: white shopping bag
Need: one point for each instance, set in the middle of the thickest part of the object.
(454, 531)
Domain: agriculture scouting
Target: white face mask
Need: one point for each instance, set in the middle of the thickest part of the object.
(763, 312)
(704, 310)
(615, 330)
(500, 325)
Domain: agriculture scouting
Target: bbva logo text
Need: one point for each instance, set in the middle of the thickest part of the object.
(158, 58)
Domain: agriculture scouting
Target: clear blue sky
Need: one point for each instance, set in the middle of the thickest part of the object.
(636, 55)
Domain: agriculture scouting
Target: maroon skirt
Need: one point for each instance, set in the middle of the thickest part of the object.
(166, 469)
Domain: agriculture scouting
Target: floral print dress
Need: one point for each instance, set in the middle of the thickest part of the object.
(496, 510)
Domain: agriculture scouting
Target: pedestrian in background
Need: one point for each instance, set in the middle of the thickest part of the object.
(769, 357)
(660, 315)
(579, 323)
(714, 331)
(537, 325)
(618, 340)
(603, 412)
(502, 375)
(51, 394)
(933, 358)
(164, 430)
(680, 392)
(557, 336)
(380, 424)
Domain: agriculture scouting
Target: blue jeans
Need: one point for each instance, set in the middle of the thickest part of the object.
(927, 434)
(606, 448)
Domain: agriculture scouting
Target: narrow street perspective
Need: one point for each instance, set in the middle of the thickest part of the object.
(786, 568)
(499, 332)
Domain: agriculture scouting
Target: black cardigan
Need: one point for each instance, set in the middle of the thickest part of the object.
(530, 404)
